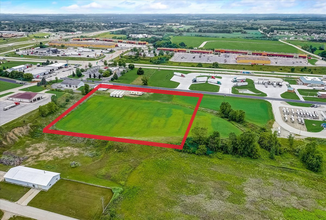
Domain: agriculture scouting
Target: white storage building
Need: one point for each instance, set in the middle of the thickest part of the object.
(56, 66)
(20, 68)
(30, 177)
(38, 72)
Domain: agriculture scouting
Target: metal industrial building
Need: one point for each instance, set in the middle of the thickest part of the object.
(30, 177)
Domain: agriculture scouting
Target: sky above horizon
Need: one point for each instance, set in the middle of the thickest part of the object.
(163, 6)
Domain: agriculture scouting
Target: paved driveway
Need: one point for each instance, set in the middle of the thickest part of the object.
(31, 212)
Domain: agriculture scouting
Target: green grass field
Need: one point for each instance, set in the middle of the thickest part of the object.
(290, 95)
(235, 44)
(17, 217)
(291, 81)
(257, 111)
(299, 104)
(302, 43)
(12, 192)
(57, 93)
(251, 87)
(314, 99)
(165, 120)
(109, 35)
(10, 64)
(156, 77)
(94, 79)
(33, 89)
(177, 185)
(312, 61)
(73, 199)
(205, 87)
(7, 85)
(308, 92)
(314, 126)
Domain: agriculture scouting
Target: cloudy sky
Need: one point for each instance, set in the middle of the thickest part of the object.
(163, 6)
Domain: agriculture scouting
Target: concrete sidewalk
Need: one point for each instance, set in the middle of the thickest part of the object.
(31, 212)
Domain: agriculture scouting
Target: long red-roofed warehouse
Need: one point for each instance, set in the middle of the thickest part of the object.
(25, 97)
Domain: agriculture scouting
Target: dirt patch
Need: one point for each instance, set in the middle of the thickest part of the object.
(60, 153)
(40, 151)
(137, 81)
(13, 136)
(35, 149)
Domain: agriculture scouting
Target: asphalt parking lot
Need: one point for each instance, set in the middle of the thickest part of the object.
(231, 59)
(20, 110)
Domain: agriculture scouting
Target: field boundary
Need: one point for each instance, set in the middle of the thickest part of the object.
(125, 140)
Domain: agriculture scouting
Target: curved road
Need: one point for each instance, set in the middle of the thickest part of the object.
(299, 48)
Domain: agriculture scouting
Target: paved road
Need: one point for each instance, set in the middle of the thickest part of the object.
(7, 80)
(224, 94)
(232, 71)
(31, 212)
(299, 48)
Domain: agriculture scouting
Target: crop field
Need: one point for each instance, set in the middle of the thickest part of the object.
(236, 44)
(7, 85)
(73, 199)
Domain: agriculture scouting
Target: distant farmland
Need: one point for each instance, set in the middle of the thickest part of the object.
(236, 44)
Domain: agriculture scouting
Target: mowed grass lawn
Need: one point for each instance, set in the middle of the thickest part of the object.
(235, 44)
(205, 87)
(73, 199)
(257, 111)
(308, 92)
(251, 87)
(7, 85)
(10, 64)
(12, 192)
(33, 89)
(160, 78)
(290, 95)
(314, 126)
(160, 118)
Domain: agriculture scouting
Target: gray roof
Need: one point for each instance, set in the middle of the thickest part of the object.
(304, 80)
(68, 81)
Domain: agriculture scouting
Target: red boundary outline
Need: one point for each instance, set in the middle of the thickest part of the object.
(125, 140)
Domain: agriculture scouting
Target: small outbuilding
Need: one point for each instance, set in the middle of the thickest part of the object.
(321, 95)
(30, 177)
